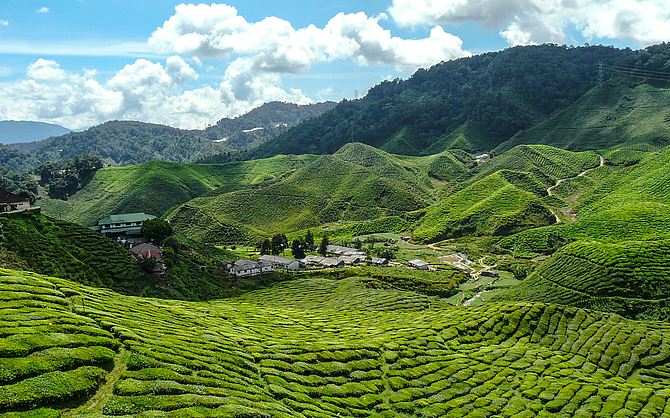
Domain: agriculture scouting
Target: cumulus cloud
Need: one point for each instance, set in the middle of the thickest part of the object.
(179, 70)
(4, 23)
(43, 10)
(274, 46)
(537, 21)
(144, 90)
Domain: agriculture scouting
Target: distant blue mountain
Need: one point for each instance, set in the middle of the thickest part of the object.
(23, 131)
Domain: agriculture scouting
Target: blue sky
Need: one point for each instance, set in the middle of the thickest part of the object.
(82, 62)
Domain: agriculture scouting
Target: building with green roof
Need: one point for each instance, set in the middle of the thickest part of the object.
(127, 224)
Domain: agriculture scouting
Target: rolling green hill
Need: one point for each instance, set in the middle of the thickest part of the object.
(35, 242)
(618, 116)
(492, 206)
(473, 103)
(631, 278)
(156, 186)
(357, 183)
(71, 350)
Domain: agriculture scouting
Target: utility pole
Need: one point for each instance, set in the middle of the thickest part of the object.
(356, 94)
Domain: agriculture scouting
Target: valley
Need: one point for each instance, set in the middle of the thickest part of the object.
(412, 276)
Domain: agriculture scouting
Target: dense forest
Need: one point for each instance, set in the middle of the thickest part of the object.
(472, 103)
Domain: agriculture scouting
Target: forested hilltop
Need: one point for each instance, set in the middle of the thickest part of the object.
(123, 143)
(472, 103)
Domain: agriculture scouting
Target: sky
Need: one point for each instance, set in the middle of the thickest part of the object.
(79, 63)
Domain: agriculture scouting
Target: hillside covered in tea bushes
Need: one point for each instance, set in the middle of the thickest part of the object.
(72, 350)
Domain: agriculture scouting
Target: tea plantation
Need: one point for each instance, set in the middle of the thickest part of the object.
(74, 351)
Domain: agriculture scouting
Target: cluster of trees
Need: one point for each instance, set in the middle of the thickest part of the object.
(22, 184)
(16, 160)
(63, 179)
(278, 243)
(499, 93)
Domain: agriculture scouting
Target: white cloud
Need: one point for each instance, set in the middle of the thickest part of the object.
(274, 46)
(180, 70)
(145, 91)
(4, 23)
(43, 10)
(45, 70)
(537, 21)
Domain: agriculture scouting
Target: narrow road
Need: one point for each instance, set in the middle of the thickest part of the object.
(560, 181)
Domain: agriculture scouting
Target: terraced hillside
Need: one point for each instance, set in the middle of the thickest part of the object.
(156, 186)
(631, 278)
(71, 350)
(34, 242)
(492, 206)
(356, 183)
(615, 116)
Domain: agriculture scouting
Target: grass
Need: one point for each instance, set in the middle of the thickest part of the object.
(157, 186)
(327, 348)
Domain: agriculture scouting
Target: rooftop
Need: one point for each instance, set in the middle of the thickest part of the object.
(7, 197)
(125, 218)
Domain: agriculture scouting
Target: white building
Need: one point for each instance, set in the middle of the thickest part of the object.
(419, 264)
(281, 262)
(243, 268)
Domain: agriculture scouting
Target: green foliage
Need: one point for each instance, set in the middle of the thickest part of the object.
(278, 243)
(323, 347)
(156, 186)
(492, 206)
(22, 184)
(472, 104)
(156, 229)
(629, 278)
(323, 245)
(66, 177)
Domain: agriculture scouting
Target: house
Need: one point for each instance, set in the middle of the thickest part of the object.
(147, 250)
(9, 202)
(339, 250)
(418, 264)
(377, 261)
(330, 262)
(243, 268)
(351, 260)
(323, 262)
(124, 225)
(281, 262)
(483, 158)
(490, 273)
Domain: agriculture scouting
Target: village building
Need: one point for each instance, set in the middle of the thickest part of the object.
(147, 250)
(9, 202)
(351, 260)
(490, 273)
(322, 262)
(339, 250)
(283, 263)
(126, 225)
(418, 264)
(244, 268)
(378, 261)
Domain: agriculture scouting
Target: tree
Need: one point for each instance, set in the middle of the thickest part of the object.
(156, 229)
(147, 264)
(279, 243)
(309, 239)
(298, 248)
(266, 247)
(172, 243)
(323, 247)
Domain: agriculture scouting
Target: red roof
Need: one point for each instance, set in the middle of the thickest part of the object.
(151, 253)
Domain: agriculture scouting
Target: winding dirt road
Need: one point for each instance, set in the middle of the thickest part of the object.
(560, 181)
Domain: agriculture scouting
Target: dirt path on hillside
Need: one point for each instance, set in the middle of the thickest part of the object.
(560, 181)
